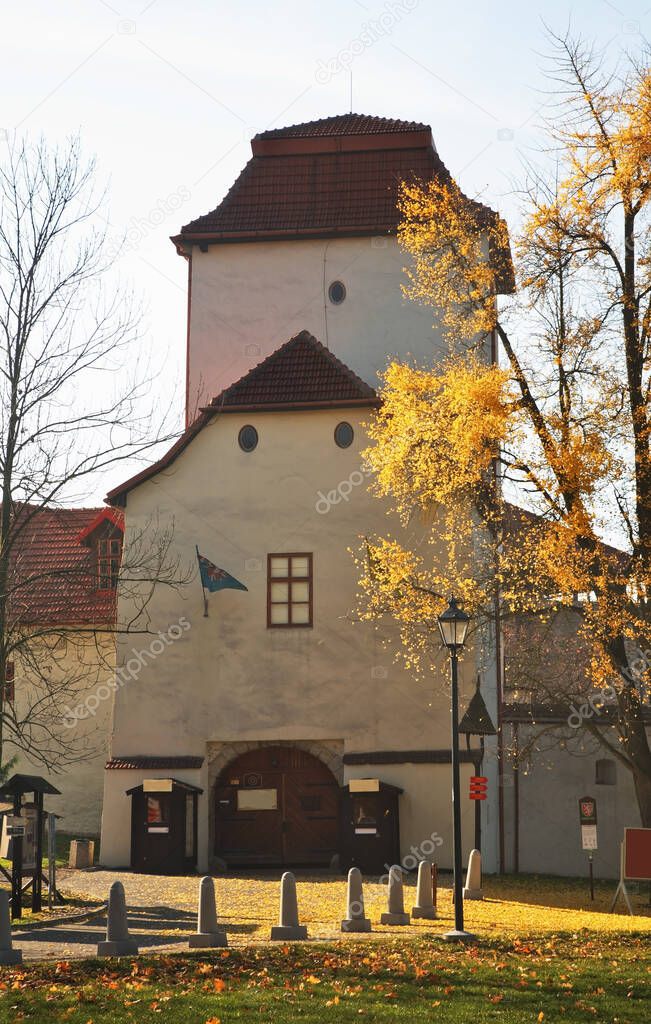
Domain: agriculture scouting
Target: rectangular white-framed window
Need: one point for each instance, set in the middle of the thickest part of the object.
(289, 590)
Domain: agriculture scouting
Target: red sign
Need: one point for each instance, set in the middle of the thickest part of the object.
(637, 854)
(478, 787)
(588, 810)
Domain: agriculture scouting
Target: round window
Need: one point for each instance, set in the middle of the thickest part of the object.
(248, 438)
(337, 292)
(344, 435)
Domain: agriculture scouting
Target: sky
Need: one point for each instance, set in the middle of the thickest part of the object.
(167, 95)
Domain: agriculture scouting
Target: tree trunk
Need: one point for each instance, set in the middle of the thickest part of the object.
(642, 784)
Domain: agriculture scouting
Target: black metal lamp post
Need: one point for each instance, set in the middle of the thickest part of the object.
(453, 624)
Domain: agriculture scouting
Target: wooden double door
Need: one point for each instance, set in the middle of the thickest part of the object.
(276, 806)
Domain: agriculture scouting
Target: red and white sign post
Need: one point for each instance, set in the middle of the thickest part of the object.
(588, 817)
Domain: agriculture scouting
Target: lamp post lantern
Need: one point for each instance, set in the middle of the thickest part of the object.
(453, 624)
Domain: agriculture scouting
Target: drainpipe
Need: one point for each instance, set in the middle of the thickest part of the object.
(498, 665)
(516, 801)
(500, 733)
(188, 417)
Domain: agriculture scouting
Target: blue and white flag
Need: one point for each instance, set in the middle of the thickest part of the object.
(213, 578)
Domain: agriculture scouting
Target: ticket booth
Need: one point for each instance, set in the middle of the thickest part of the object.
(164, 827)
(369, 826)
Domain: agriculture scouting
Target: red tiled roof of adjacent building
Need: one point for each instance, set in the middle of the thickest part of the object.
(336, 177)
(53, 576)
(302, 374)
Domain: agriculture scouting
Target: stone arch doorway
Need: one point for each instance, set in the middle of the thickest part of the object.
(276, 806)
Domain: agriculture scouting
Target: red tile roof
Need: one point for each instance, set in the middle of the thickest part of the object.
(343, 124)
(54, 574)
(316, 194)
(155, 763)
(337, 177)
(302, 374)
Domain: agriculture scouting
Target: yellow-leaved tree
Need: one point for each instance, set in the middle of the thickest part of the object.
(543, 398)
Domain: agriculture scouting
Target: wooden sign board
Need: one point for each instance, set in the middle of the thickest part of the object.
(364, 786)
(637, 854)
(157, 785)
(635, 862)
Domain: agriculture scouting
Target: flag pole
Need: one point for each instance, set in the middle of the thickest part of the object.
(203, 589)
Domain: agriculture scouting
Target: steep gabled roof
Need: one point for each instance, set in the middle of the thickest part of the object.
(301, 375)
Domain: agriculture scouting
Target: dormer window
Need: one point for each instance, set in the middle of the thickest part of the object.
(109, 552)
(102, 536)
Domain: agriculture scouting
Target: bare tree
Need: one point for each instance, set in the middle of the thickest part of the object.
(74, 403)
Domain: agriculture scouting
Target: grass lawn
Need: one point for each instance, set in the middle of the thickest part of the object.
(547, 954)
(571, 979)
(72, 905)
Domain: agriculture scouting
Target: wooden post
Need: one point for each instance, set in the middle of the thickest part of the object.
(17, 866)
(37, 887)
(51, 859)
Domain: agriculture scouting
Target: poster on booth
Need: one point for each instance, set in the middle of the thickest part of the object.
(23, 827)
(29, 814)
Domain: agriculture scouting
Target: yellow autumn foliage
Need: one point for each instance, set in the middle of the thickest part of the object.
(561, 426)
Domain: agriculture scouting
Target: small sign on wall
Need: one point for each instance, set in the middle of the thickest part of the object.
(257, 799)
(589, 837)
(157, 785)
(364, 786)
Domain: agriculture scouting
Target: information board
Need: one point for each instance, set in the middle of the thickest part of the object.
(637, 854)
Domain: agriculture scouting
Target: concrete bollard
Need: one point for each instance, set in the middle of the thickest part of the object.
(8, 955)
(208, 931)
(395, 900)
(472, 889)
(288, 926)
(424, 906)
(118, 942)
(355, 921)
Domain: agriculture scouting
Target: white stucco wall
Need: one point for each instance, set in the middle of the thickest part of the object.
(228, 678)
(250, 298)
(80, 719)
(549, 836)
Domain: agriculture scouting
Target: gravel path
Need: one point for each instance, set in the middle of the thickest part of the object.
(162, 910)
(150, 928)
